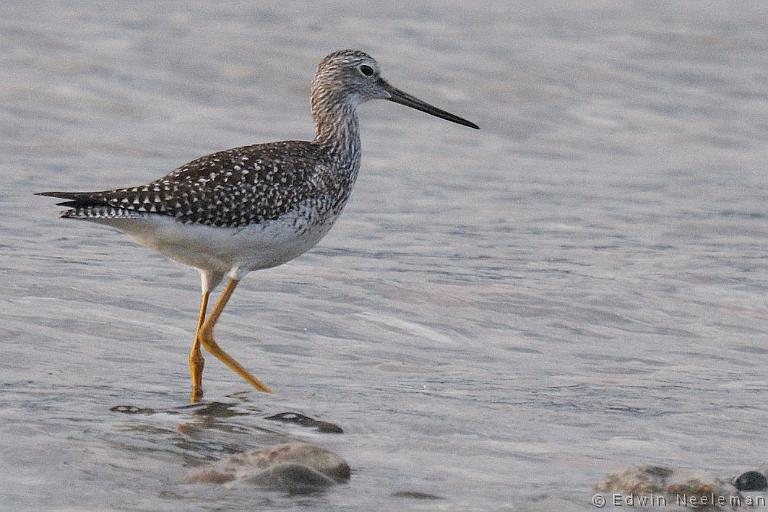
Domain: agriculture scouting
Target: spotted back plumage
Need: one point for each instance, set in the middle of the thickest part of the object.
(230, 188)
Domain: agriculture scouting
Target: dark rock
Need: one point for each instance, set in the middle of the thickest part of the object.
(132, 409)
(293, 467)
(751, 481)
(306, 421)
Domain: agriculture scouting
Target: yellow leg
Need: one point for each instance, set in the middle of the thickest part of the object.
(196, 361)
(205, 335)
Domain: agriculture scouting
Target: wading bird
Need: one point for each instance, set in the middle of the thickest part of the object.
(253, 207)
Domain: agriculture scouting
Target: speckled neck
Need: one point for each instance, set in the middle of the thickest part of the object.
(336, 125)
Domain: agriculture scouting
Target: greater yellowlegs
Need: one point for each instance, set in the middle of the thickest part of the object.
(252, 207)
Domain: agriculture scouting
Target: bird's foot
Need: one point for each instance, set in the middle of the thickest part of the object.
(206, 339)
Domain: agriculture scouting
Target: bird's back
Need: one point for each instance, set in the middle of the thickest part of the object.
(232, 188)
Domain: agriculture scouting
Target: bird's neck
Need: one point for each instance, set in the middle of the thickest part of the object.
(337, 128)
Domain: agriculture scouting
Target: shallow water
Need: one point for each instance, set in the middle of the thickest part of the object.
(500, 317)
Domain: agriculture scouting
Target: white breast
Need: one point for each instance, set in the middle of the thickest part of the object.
(227, 250)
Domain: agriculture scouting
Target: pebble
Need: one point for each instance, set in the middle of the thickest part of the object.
(751, 481)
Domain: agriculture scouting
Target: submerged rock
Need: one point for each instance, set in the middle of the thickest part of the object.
(416, 495)
(293, 467)
(132, 409)
(306, 421)
(677, 487)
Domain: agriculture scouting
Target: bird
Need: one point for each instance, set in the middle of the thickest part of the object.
(253, 207)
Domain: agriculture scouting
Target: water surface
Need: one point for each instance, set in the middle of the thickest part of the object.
(499, 317)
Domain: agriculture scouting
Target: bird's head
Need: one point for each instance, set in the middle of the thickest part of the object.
(352, 77)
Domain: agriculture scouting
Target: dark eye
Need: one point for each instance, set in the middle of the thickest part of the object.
(366, 70)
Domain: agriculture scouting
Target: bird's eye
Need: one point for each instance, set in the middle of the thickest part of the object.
(366, 70)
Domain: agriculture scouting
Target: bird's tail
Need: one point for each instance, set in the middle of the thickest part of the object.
(88, 205)
(75, 199)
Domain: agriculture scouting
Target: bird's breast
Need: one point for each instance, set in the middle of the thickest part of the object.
(275, 242)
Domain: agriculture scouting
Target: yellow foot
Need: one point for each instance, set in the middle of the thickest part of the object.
(206, 339)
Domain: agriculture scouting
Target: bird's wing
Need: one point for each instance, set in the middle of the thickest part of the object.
(231, 188)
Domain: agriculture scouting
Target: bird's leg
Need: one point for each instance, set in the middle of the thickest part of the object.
(205, 335)
(196, 361)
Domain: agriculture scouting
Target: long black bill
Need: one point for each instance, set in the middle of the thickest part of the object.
(406, 99)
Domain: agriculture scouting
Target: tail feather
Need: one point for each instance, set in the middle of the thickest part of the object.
(70, 204)
(76, 199)
(100, 212)
(87, 205)
(62, 195)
